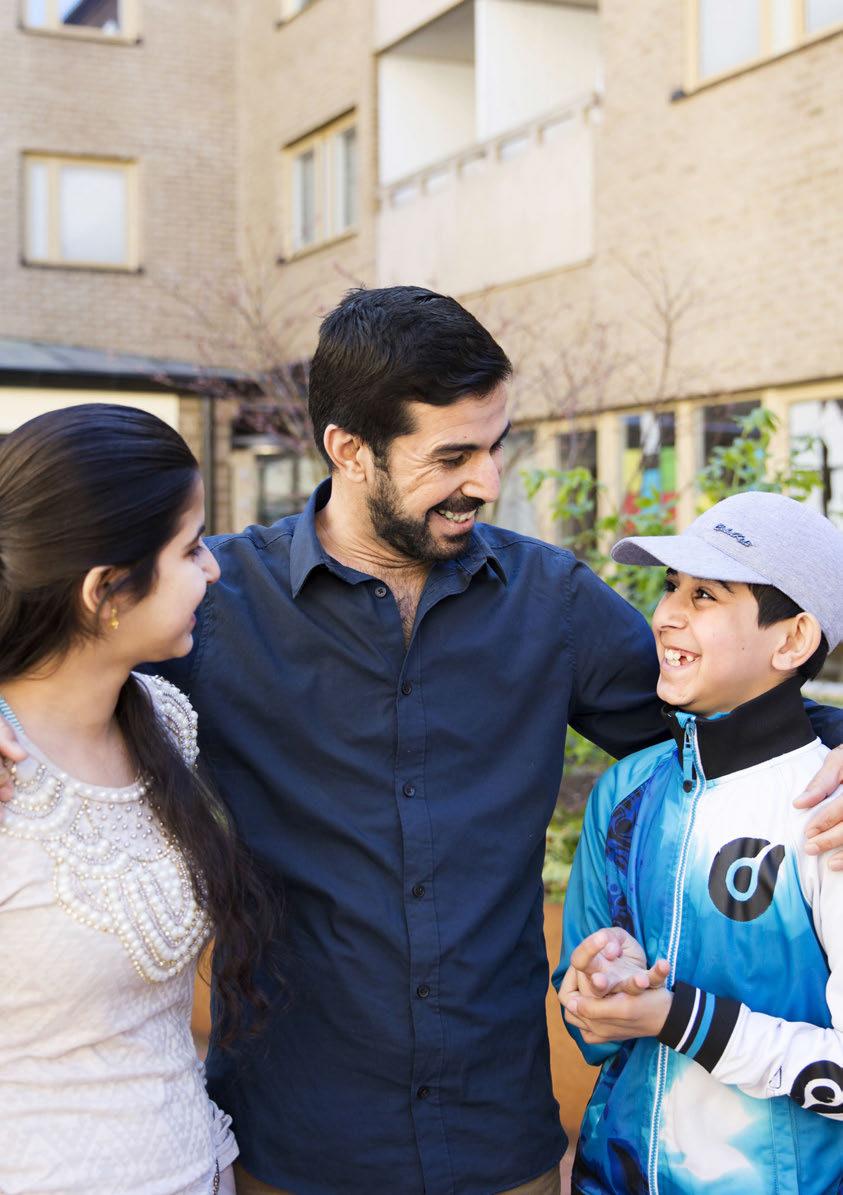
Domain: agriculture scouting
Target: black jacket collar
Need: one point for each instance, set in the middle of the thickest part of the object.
(758, 730)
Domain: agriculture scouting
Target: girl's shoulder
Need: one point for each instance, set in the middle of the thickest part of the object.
(175, 711)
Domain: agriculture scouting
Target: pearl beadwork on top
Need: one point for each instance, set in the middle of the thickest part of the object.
(114, 868)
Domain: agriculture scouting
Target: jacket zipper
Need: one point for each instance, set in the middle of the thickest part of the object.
(692, 772)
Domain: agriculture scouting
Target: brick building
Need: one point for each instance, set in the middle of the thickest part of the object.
(644, 201)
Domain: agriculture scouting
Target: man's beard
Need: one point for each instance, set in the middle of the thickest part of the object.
(409, 536)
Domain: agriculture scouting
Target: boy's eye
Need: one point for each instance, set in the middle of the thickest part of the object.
(703, 593)
(669, 586)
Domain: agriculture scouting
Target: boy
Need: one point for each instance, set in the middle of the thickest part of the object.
(729, 1078)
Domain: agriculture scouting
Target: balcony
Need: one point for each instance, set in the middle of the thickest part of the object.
(509, 207)
(485, 140)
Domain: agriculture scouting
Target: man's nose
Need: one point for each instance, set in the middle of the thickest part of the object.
(485, 481)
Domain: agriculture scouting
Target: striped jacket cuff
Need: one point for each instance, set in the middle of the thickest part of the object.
(699, 1024)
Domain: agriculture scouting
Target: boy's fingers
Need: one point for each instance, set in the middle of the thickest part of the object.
(568, 985)
(584, 955)
(658, 973)
(827, 779)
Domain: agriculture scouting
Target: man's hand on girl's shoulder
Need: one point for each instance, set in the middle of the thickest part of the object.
(11, 752)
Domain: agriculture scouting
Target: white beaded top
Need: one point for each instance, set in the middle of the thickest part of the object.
(100, 1087)
(114, 868)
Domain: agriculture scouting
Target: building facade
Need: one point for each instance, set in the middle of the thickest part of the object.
(643, 202)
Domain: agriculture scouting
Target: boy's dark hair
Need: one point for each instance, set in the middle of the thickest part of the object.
(775, 606)
(380, 349)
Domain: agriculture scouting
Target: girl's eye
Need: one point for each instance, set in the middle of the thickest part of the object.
(197, 550)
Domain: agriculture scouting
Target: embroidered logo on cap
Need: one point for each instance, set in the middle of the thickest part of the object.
(747, 543)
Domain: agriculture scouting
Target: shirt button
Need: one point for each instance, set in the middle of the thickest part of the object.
(380, 591)
(687, 786)
(423, 1093)
(407, 688)
(409, 790)
(418, 891)
(422, 991)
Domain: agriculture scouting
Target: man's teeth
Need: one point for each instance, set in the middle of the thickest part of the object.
(454, 518)
(674, 657)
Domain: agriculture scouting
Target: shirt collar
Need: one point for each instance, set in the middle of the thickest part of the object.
(307, 553)
(754, 732)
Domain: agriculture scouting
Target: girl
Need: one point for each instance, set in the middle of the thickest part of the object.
(116, 861)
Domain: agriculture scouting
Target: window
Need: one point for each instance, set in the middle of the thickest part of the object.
(816, 435)
(577, 449)
(291, 8)
(648, 459)
(322, 185)
(819, 14)
(727, 35)
(513, 509)
(79, 212)
(108, 18)
(285, 482)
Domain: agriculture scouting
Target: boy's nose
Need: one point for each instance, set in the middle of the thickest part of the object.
(670, 612)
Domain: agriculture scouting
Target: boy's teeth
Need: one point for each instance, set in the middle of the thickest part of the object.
(673, 656)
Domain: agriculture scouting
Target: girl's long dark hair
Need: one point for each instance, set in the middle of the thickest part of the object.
(104, 485)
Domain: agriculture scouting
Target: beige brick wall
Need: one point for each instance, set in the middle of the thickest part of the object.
(293, 78)
(168, 102)
(738, 187)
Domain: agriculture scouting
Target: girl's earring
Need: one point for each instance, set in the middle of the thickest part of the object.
(114, 621)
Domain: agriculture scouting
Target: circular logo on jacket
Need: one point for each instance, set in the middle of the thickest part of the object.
(819, 1087)
(743, 877)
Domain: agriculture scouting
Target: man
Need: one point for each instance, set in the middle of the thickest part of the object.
(383, 689)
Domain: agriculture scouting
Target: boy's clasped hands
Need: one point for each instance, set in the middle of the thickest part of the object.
(609, 993)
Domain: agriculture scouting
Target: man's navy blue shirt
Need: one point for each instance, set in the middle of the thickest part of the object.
(401, 794)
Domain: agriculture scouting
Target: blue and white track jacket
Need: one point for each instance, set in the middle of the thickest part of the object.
(695, 848)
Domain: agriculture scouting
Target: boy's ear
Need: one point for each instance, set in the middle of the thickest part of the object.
(800, 639)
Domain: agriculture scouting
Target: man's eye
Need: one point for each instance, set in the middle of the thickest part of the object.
(452, 462)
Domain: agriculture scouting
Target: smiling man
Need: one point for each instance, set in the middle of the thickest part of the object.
(383, 687)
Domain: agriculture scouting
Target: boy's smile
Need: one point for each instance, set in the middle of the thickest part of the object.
(713, 655)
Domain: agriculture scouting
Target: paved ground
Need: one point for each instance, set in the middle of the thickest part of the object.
(565, 1170)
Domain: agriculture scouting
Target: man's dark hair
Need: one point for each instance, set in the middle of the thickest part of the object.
(775, 606)
(380, 349)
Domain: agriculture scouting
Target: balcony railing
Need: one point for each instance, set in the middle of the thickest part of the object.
(518, 204)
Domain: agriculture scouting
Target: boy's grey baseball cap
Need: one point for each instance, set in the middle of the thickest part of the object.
(762, 539)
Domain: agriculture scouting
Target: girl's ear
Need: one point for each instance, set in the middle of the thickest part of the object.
(97, 592)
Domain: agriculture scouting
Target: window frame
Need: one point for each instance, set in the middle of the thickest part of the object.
(53, 258)
(129, 33)
(321, 141)
(695, 81)
(288, 10)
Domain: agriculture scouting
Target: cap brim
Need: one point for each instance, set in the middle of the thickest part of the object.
(686, 554)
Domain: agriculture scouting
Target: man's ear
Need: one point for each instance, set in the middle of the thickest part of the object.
(800, 639)
(350, 457)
